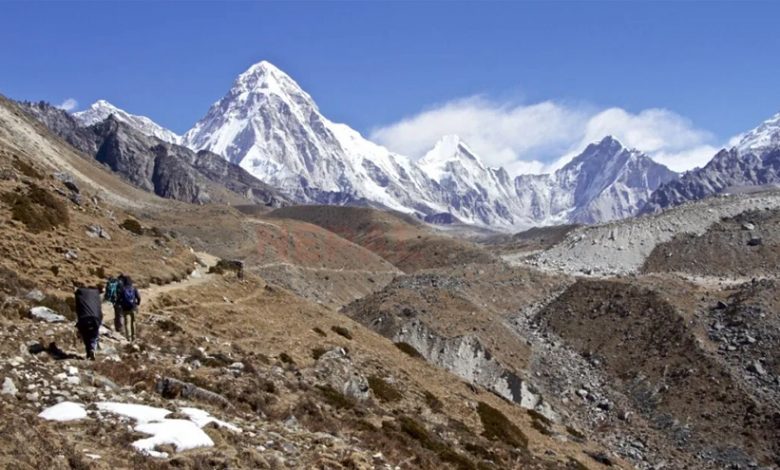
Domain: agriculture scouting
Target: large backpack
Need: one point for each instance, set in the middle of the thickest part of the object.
(112, 290)
(128, 298)
(88, 313)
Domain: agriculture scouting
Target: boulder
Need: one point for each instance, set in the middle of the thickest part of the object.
(337, 370)
(755, 241)
(756, 368)
(9, 387)
(46, 314)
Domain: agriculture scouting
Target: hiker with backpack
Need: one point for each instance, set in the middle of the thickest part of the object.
(129, 300)
(89, 317)
(113, 288)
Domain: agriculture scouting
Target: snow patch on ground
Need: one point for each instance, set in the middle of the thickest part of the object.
(140, 413)
(183, 434)
(202, 418)
(65, 411)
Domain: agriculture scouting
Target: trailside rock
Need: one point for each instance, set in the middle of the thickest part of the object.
(46, 314)
(9, 387)
(336, 369)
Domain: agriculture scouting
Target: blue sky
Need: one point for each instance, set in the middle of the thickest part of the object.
(378, 66)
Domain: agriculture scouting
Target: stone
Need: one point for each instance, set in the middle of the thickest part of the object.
(71, 255)
(748, 226)
(46, 314)
(35, 295)
(755, 241)
(9, 387)
(71, 370)
(756, 368)
(96, 231)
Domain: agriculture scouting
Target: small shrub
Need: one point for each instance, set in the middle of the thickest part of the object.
(26, 169)
(340, 330)
(574, 432)
(54, 269)
(418, 432)
(319, 331)
(409, 350)
(335, 398)
(37, 209)
(499, 428)
(536, 416)
(317, 353)
(433, 402)
(169, 326)
(541, 427)
(384, 390)
(132, 226)
(286, 358)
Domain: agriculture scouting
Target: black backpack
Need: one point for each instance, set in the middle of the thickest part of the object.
(89, 316)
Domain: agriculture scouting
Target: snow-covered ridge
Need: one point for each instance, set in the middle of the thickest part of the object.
(272, 128)
(764, 137)
(101, 109)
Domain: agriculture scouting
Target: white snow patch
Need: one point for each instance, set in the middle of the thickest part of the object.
(140, 413)
(202, 418)
(65, 411)
(181, 433)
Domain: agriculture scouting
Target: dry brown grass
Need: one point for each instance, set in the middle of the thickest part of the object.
(37, 209)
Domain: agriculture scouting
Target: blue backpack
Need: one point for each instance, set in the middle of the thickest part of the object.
(128, 298)
(112, 289)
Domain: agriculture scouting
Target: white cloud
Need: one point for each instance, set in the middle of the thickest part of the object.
(69, 105)
(545, 136)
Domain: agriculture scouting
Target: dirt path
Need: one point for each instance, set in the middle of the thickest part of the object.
(312, 268)
(199, 276)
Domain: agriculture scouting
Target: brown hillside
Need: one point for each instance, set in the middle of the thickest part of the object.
(400, 239)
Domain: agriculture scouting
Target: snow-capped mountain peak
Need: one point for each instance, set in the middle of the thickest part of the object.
(765, 136)
(450, 150)
(272, 128)
(265, 78)
(101, 109)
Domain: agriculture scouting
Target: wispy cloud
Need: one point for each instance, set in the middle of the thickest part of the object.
(69, 105)
(541, 137)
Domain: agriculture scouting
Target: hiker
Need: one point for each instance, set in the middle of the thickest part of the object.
(113, 288)
(89, 317)
(130, 299)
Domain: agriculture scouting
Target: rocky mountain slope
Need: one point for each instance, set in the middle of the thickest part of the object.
(100, 110)
(168, 170)
(400, 239)
(262, 377)
(754, 161)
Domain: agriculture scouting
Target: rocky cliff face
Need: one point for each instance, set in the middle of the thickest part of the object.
(168, 170)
